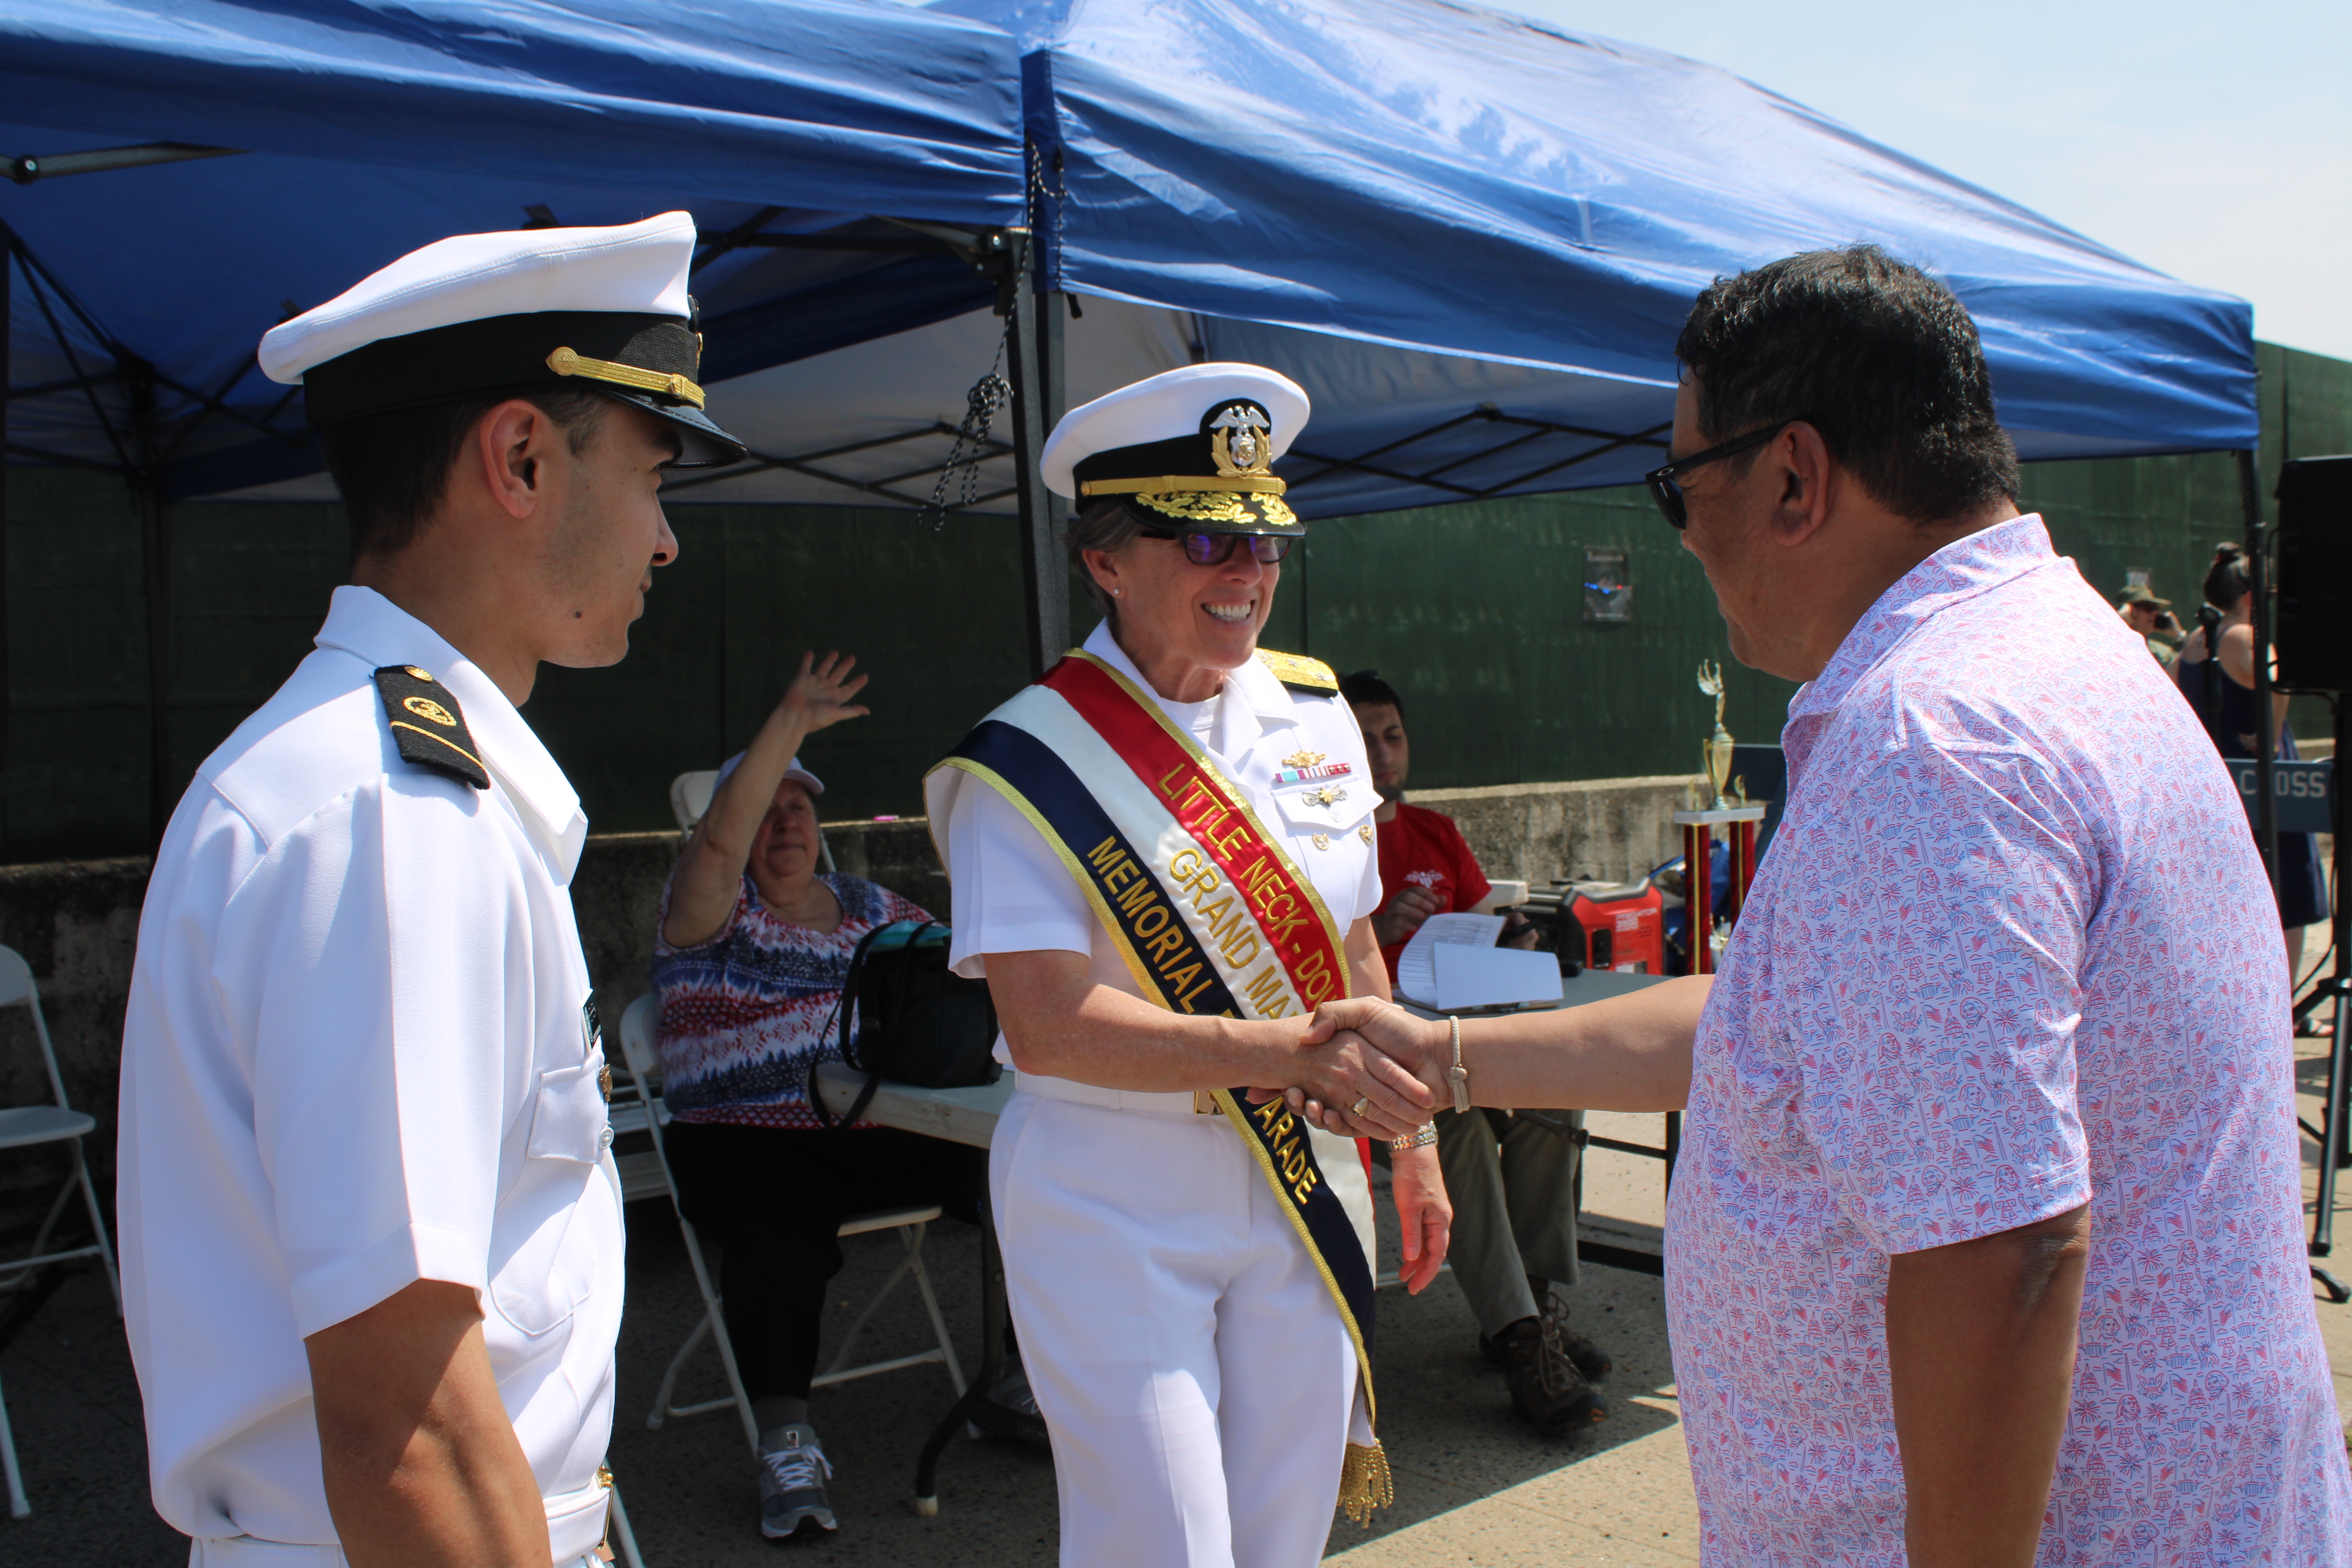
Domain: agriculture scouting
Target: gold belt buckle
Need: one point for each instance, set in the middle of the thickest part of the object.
(1204, 1102)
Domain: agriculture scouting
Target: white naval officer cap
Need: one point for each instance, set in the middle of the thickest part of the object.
(515, 312)
(1189, 449)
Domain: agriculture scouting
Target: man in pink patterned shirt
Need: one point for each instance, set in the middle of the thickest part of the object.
(1985, 1241)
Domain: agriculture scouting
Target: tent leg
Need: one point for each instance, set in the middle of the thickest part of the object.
(1044, 577)
(154, 528)
(8, 278)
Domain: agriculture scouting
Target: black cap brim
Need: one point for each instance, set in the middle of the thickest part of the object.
(700, 443)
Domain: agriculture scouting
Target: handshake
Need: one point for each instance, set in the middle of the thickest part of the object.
(1367, 1069)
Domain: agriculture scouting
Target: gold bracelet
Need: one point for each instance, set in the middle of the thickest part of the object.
(1458, 1075)
(1419, 1138)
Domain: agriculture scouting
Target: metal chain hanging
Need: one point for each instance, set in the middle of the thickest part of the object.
(989, 394)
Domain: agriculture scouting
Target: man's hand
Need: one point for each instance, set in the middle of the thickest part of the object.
(1413, 905)
(1424, 1213)
(819, 696)
(420, 1462)
(1980, 1352)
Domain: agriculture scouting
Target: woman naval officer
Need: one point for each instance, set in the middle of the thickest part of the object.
(1163, 859)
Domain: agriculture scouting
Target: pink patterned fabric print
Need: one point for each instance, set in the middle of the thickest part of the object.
(2010, 951)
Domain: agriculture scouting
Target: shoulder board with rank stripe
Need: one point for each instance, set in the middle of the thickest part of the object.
(427, 725)
(1299, 672)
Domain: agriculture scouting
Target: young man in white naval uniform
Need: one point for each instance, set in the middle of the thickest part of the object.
(371, 1225)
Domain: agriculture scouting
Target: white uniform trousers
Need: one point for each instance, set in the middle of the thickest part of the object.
(1184, 1348)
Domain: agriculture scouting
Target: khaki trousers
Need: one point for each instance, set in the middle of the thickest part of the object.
(1513, 1185)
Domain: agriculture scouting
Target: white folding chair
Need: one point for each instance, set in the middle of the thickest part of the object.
(638, 1025)
(27, 1127)
(689, 798)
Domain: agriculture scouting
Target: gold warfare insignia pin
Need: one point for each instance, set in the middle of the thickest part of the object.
(426, 709)
(1302, 759)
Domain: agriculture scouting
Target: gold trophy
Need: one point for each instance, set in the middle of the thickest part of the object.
(1717, 750)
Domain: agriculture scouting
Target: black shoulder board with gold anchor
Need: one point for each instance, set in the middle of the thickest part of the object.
(1300, 673)
(428, 724)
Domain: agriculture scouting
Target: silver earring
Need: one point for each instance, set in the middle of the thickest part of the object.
(1115, 593)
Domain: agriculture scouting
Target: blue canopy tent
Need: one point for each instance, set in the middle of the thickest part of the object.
(185, 178)
(1472, 237)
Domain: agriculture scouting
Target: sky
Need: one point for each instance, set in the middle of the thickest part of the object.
(2212, 143)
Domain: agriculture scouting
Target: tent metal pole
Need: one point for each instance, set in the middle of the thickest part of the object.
(1045, 579)
(7, 281)
(2265, 725)
(156, 541)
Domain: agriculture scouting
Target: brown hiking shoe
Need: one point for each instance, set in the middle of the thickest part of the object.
(1546, 1389)
(1590, 1359)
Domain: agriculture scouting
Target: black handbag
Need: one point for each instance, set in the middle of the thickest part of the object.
(916, 1021)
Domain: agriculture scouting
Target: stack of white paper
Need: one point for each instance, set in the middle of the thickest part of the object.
(1452, 963)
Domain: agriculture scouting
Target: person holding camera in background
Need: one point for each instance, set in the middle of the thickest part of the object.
(2153, 619)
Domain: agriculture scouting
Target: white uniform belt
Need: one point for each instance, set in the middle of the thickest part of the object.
(1183, 1103)
(576, 1528)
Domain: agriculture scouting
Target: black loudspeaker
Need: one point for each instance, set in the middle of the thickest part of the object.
(2314, 634)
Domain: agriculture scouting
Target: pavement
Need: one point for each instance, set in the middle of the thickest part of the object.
(1474, 1486)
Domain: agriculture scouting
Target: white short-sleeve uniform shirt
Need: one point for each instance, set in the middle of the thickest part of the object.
(359, 1052)
(1012, 894)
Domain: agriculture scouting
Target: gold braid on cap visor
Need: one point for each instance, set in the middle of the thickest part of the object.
(563, 361)
(1202, 497)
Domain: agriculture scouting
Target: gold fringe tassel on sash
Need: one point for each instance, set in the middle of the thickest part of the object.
(1364, 1482)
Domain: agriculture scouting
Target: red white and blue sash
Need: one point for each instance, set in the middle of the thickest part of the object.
(1213, 917)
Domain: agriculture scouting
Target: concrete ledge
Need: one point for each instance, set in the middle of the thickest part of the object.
(1613, 829)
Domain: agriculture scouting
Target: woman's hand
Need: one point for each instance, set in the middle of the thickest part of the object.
(1366, 1093)
(819, 696)
(1424, 1212)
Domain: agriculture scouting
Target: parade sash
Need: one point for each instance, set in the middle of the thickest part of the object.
(1211, 917)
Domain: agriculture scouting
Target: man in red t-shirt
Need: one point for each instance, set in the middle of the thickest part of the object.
(1512, 1181)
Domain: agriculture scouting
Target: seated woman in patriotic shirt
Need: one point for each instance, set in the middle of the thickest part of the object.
(754, 948)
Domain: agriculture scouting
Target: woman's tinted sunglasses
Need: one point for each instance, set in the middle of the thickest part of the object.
(1666, 483)
(1216, 548)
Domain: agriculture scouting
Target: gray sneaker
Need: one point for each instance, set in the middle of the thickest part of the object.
(793, 1473)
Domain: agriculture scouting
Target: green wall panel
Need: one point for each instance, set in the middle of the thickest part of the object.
(1475, 613)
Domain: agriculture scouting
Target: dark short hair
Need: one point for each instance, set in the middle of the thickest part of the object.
(392, 469)
(1879, 357)
(1365, 689)
(2231, 578)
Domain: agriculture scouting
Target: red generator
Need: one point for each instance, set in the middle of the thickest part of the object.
(1623, 925)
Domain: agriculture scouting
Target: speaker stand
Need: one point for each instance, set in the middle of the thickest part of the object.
(2337, 988)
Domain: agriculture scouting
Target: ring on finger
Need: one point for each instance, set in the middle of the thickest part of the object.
(1363, 1103)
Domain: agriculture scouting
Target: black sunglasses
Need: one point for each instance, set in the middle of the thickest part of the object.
(1665, 485)
(1216, 548)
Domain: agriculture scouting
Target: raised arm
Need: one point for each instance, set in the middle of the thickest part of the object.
(710, 872)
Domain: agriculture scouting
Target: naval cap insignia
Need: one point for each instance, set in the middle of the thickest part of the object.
(1240, 438)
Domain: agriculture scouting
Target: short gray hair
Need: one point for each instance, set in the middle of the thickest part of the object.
(1107, 525)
